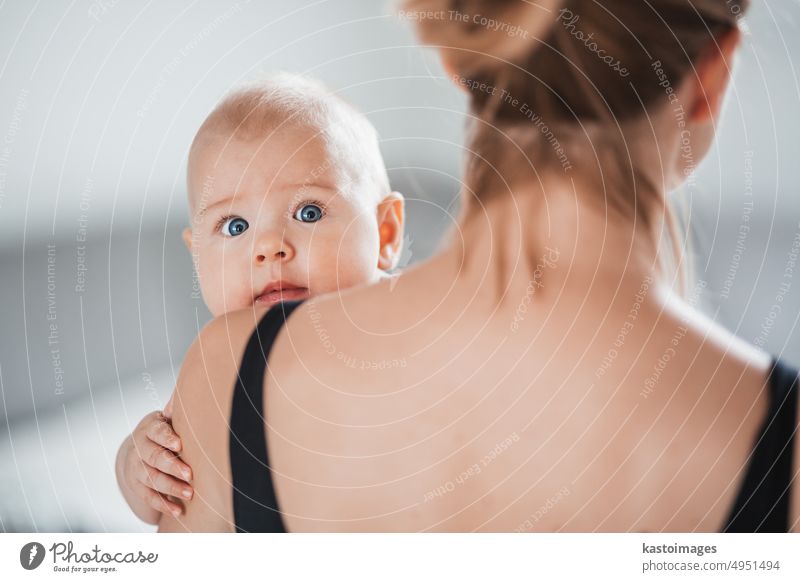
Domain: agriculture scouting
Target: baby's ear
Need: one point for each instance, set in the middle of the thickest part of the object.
(391, 223)
(187, 238)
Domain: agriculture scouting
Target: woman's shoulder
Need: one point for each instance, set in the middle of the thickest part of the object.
(222, 335)
(214, 358)
(202, 401)
(708, 340)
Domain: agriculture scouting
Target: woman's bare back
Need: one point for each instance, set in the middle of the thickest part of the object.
(440, 410)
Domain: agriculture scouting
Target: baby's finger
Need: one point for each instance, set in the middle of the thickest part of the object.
(158, 501)
(162, 433)
(163, 483)
(170, 407)
(166, 461)
(144, 424)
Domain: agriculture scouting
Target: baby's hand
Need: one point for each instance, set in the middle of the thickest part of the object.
(152, 470)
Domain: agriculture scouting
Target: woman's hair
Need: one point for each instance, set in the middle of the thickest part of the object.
(541, 72)
(591, 60)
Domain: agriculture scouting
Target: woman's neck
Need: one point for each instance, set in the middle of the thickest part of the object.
(517, 239)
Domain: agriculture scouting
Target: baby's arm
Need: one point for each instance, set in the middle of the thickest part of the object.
(149, 472)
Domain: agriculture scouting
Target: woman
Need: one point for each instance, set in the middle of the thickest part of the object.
(542, 372)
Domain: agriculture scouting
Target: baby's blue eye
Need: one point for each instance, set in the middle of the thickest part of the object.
(234, 226)
(309, 213)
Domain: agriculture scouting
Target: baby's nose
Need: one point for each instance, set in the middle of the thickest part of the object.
(273, 248)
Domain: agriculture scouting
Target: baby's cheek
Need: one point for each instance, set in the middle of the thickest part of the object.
(223, 284)
(238, 283)
(321, 266)
(338, 262)
(358, 257)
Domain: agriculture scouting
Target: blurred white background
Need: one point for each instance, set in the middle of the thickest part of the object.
(99, 101)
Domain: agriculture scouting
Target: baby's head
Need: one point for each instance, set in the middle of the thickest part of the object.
(288, 190)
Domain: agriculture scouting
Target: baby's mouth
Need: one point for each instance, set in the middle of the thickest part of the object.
(281, 292)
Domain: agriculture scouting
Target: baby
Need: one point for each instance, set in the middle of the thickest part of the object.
(289, 198)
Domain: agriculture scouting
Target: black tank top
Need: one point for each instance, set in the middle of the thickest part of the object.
(762, 504)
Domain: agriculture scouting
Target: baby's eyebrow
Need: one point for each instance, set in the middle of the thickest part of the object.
(303, 190)
(205, 209)
(311, 184)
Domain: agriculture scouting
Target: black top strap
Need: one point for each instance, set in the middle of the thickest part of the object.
(763, 501)
(255, 507)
